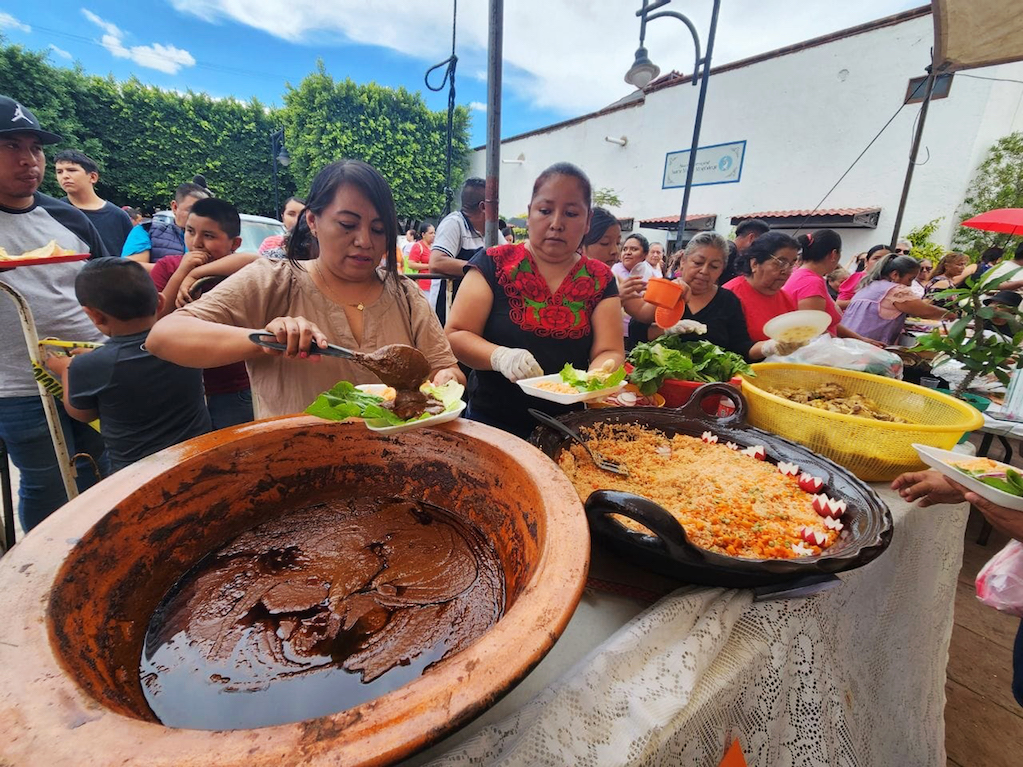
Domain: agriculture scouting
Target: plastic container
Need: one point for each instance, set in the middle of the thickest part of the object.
(662, 292)
(873, 450)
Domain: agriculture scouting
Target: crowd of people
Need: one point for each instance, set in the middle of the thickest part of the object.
(571, 292)
(174, 365)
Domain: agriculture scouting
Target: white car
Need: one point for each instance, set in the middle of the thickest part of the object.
(255, 229)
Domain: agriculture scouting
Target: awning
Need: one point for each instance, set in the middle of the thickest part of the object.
(822, 218)
(696, 222)
(976, 33)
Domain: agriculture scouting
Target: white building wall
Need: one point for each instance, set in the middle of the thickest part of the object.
(805, 116)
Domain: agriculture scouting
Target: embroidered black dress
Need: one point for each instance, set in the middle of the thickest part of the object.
(555, 328)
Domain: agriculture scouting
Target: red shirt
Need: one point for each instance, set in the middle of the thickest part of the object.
(226, 379)
(420, 253)
(757, 307)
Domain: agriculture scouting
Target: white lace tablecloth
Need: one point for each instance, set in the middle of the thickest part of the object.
(851, 676)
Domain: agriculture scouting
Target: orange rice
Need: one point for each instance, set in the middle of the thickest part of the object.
(557, 387)
(726, 501)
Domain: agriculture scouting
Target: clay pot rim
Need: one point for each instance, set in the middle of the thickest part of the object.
(53, 707)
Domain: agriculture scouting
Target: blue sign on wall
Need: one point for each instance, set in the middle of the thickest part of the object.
(715, 164)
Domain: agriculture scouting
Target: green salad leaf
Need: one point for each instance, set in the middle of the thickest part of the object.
(1011, 482)
(343, 401)
(669, 357)
(582, 381)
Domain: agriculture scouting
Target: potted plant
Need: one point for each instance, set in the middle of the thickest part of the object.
(972, 340)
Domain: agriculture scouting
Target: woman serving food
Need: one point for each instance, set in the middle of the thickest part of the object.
(341, 296)
(716, 308)
(527, 309)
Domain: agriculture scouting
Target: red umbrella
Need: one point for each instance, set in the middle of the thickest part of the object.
(1007, 220)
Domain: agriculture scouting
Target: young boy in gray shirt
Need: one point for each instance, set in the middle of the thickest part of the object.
(144, 403)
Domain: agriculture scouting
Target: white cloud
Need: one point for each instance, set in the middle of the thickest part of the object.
(568, 56)
(9, 22)
(477, 106)
(61, 52)
(106, 26)
(163, 58)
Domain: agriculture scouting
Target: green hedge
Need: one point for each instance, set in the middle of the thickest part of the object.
(147, 140)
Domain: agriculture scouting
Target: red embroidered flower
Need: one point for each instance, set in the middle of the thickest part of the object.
(557, 317)
(531, 286)
(581, 289)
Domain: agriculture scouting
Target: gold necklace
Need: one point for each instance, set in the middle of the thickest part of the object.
(319, 269)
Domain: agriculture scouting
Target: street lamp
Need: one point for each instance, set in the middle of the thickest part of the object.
(643, 71)
(278, 154)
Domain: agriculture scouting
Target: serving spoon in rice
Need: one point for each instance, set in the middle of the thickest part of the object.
(598, 460)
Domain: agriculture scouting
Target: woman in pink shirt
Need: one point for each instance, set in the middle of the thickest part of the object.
(821, 252)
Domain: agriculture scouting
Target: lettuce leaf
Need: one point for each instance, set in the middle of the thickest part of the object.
(582, 381)
(343, 401)
(670, 357)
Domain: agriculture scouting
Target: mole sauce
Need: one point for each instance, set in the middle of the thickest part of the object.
(317, 611)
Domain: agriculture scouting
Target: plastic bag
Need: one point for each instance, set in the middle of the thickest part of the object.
(1000, 582)
(847, 354)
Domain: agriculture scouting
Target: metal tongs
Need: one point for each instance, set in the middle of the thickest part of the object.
(562, 428)
(271, 342)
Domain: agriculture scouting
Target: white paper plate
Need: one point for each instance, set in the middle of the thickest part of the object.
(937, 459)
(382, 427)
(529, 386)
(811, 319)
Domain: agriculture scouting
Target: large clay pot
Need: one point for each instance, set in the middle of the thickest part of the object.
(80, 589)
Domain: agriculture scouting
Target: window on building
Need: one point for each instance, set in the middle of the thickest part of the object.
(918, 87)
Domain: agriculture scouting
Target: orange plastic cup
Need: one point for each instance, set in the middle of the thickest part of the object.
(662, 292)
(666, 317)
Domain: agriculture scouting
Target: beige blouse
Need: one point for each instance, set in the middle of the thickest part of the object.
(267, 289)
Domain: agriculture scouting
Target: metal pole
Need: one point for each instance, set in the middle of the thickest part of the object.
(8, 499)
(28, 329)
(495, 34)
(699, 121)
(273, 163)
(912, 155)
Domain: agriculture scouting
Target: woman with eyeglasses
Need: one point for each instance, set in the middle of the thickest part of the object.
(715, 307)
(820, 254)
(767, 263)
(848, 287)
(926, 267)
(884, 298)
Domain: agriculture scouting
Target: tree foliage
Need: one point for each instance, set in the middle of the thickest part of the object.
(392, 130)
(923, 246)
(606, 197)
(148, 140)
(997, 184)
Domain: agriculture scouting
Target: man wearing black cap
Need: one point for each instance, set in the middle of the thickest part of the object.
(29, 220)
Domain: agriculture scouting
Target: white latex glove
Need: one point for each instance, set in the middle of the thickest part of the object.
(606, 369)
(772, 347)
(515, 364)
(685, 327)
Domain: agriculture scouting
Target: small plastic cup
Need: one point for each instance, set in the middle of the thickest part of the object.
(662, 292)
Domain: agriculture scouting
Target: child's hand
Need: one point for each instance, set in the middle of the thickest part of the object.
(298, 333)
(57, 363)
(185, 291)
(192, 259)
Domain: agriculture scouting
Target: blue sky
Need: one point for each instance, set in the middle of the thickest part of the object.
(563, 58)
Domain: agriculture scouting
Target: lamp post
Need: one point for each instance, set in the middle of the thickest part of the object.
(278, 154)
(643, 71)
